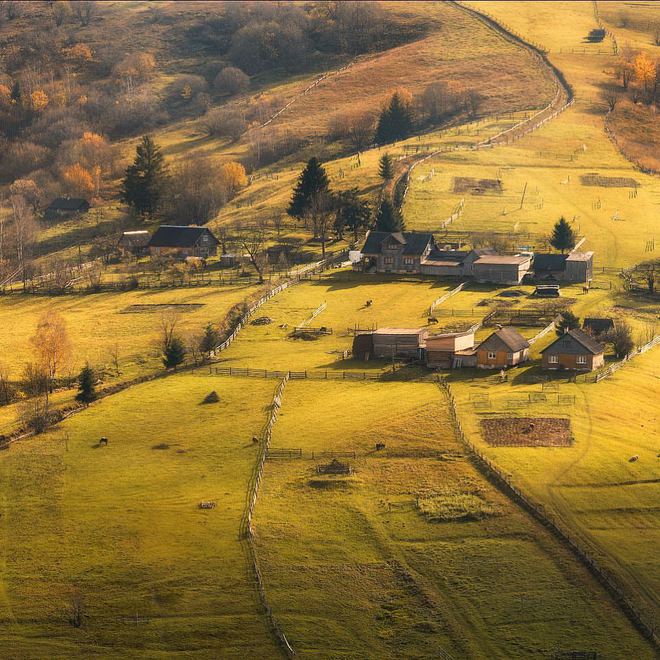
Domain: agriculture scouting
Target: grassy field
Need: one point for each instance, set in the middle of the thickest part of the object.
(120, 527)
(550, 161)
(414, 554)
(99, 322)
(609, 501)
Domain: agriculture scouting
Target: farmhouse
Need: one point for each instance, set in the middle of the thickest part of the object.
(504, 348)
(574, 350)
(66, 207)
(501, 269)
(597, 326)
(575, 267)
(441, 350)
(387, 343)
(134, 242)
(417, 253)
(183, 241)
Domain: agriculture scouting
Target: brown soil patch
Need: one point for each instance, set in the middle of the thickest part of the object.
(527, 432)
(608, 181)
(466, 184)
(156, 308)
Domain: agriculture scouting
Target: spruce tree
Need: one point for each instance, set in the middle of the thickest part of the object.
(210, 338)
(567, 321)
(386, 167)
(175, 353)
(86, 385)
(563, 237)
(312, 183)
(143, 187)
(388, 217)
(395, 121)
(352, 213)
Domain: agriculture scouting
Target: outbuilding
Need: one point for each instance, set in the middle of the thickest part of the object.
(597, 326)
(63, 208)
(501, 269)
(183, 241)
(504, 348)
(574, 350)
(399, 342)
(442, 349)
(134, 242)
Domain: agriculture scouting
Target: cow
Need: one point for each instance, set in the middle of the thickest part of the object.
(103, 442)
(432, 319)
(380, 445)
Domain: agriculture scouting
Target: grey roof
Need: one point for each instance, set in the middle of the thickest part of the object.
(597, 325)
(457, 256)
(414, 242)
(179, 236)
(580, 256)
(68, 204)
(139, 238)
(506, 338)
(574, 342)
(549, 262)
(500, 260)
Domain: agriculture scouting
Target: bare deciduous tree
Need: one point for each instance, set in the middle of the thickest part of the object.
(252, 240)
(85, 10)
(610, 97)
(24, 229)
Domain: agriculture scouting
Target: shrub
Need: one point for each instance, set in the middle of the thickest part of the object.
(231, 80)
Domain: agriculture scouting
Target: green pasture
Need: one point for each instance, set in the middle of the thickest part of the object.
(97, 323)
(119, 527)
(607, 499)
(353, 567)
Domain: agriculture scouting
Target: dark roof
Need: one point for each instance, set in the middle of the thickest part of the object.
(414, 242)
(447, 255)
(546, 262)
(574, 342)
(68, 204)
(179, 236)
(508, 338)
(597, 325)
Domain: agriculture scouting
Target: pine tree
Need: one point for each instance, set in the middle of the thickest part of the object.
(386, 167)
(175, 353)
(388, 217)
(86, 385)
(143, 187)
(312, 182)
(210, 338)
(563, 237)
(395, 121)
(352, 213)
(567, 321)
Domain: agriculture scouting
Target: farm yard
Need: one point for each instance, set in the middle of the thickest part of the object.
(375, 519)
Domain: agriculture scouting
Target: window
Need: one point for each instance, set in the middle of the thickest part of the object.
(408, 261)
(582, 359)
(389, 260)
(509, 356)
(553, 359)
(492, 355)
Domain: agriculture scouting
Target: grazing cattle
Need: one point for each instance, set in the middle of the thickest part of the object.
(103, 442)
(585, 289)
(634, 458)
(255, 440)
(380, 445)
(369, 303)
(432, 319)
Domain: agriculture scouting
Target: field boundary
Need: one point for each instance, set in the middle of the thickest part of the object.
(617, 365)
(247, 529)
(503, 481)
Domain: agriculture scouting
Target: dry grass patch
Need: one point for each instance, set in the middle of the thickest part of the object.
(527, 432)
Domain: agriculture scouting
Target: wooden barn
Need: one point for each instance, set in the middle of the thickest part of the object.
(63, 208)
(398, 342)
(504, 348)
(183, 241)
(363, 346)
(134, 242)
(441, 349)
(597, 326)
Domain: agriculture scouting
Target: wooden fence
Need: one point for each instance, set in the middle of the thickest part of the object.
(247, 529)
(641, 621)
(446, 296)
(318, 374)
(617, 365)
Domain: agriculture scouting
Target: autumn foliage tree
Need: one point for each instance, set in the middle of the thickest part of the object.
(51, 345)
(79, 182)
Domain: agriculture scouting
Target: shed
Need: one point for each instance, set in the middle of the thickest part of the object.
(501, 269)
(574, 350)
(134, 242)
(547, 291)
(66, 207)
(363, 346)
(399, 342)
(441, 349)
(504, 348)
(597, 326)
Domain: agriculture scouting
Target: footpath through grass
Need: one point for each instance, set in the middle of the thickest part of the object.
(413, 554)
(119, 527)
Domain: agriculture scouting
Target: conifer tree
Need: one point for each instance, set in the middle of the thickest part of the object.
(312, 184)
(143, 187)
(388, 217)
(175, 353)
(395, 121)
(210, 338)
(567, 321)
(563, 237)
(86, 385)
(386, 167)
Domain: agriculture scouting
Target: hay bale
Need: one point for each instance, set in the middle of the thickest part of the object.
(211, 397)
